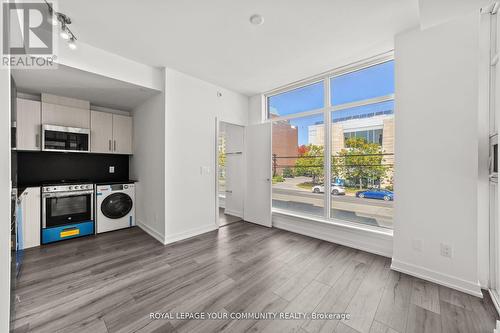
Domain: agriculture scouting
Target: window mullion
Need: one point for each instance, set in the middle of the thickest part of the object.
(327, 151)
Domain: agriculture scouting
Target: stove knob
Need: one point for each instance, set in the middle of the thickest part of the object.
(55, 188)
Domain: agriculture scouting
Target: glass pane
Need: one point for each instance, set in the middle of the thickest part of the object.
(68, 205)
(366, 83)
(298, 100)
(66, 140)
(222, 162)
(298, 167)
(363, 164)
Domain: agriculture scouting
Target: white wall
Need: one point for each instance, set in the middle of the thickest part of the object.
(98, 61)
(483, 184)
(255, 109)
(147, 165)
(5, 188)
(437, 153)
(434, 12)
(192, 107)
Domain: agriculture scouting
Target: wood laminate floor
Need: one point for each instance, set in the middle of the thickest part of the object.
(225, 219)
(112, 282)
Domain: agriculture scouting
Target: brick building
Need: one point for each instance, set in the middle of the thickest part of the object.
(285, 145)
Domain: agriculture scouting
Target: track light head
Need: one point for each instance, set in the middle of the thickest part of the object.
(72, 43)
(64, 32)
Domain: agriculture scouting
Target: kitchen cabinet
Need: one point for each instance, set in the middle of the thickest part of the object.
(101, 132)
(30, 208)
(28, 124)
(63, 115)
(110, 133)
(122, 134)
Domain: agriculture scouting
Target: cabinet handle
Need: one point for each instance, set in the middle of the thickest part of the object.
(109, 145)
(37, 140)
(115, 144)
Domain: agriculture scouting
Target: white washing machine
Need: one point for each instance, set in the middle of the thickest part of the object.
(115, 207)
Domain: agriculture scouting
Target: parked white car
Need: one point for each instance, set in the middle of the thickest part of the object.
(336, 189)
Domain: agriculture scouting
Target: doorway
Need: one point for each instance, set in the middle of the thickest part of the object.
(230, 173)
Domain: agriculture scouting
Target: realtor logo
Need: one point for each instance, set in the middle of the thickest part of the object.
(28, 35)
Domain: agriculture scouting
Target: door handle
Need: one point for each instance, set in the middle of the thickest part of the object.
(37, 140)
(114, 145)
(109, 145)
(229, 191)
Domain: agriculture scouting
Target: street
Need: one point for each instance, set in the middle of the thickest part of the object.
(347, 207)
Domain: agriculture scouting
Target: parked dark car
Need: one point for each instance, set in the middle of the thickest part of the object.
(376, 193)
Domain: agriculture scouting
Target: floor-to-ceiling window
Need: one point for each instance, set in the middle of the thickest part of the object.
(347, 115)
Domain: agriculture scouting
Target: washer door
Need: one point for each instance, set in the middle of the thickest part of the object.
(116, 205)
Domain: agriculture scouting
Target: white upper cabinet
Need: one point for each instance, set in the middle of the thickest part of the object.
(122, 134)
(101, 132)
(64, 111)
(110, 133)
(28, 122)
(62, 115)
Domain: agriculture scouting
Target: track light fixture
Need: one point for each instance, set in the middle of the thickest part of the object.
(57, 18)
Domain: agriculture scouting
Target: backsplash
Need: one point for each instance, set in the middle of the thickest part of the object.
(39, 167)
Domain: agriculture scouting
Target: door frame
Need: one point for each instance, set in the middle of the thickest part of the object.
(216, 173)
(216, 167)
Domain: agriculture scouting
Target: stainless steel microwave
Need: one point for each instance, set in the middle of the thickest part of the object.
(65, 139)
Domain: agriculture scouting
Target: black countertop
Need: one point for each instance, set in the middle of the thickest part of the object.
(112, 182)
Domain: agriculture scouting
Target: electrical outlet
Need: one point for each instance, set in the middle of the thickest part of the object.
(446, 250)
(417, 245)
(204, 170)
(111, 169)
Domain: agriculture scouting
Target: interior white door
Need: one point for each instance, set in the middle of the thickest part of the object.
(258, 174)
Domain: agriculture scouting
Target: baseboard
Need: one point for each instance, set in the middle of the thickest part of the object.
(495, 301)
(150, 231)
(190, 233)
(469, 287)
(361, 240)
(233, 213)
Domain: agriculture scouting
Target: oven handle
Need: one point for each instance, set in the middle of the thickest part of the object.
(67, 194)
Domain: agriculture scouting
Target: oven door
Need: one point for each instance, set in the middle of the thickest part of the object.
(60, 209)
(60, 138)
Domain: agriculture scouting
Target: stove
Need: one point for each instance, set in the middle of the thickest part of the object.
(67, 210)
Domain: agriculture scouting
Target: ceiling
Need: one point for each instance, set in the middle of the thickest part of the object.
(71, 82)
(214, 41)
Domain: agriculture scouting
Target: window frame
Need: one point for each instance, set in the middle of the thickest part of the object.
(327, 111)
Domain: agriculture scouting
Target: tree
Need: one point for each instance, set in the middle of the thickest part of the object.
(222, 158)
(303, 149)
(310, 163)
(360, 160)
